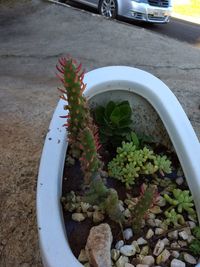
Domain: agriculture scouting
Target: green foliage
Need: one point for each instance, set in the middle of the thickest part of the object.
(130, 162)
(195, 247)
(173, 217)
(138, 140)
(106, 199)
(142, 206)
(114, 121)
(182, 200)
(196, 232)
(70, 201)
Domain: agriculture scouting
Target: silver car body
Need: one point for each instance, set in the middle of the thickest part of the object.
(158, 11)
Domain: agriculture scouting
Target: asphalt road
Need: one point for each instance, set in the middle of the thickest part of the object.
(177, 29)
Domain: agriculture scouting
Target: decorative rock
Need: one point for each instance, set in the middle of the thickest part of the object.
(127, 213)
(175, 245)
(98, 246)
(182, 243)
(159, 247)
(142, 265)
(86, 264)
(158, 222)
(83, 256)
(135, 244)
(151, 216)
(144, 251)
(173, 235)
(151, 222)
(98, 216)
(148, 260)
(187, 230)
(161, 201)
(192, 224)
(165, 241)
(156, 210)
(119, 244)
(128, 233)
(179, 180)
(177, 263)
(141, 241)
(175, 254)
(128, 265)
(78, 217)
(121, 261)
(115, 254)
(128, 250)
(159, 231)
(163, 257)
(149, 234)
(189, 258)
(184, 235)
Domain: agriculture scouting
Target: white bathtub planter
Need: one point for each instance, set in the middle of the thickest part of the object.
(103, 85)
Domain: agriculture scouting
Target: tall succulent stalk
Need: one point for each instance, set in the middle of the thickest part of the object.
(82, 134)
(142, 207)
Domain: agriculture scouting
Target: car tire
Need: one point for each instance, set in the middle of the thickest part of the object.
(108, 8)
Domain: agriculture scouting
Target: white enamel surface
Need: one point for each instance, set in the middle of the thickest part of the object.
(53, 242)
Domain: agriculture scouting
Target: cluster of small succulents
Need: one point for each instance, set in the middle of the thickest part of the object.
(131, 162)
(182, 200)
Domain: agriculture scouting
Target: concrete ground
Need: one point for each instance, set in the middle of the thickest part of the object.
(32, 37)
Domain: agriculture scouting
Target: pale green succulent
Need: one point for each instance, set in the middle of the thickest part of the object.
(173, 217)
(182, 200)
(130, 162)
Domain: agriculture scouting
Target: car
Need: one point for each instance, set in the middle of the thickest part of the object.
(157, 11)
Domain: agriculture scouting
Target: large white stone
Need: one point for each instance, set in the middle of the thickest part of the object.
(177, 263)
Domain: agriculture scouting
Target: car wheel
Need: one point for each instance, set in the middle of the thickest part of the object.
(108, 8)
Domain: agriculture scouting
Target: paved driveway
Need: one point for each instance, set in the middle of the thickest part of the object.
(32, 37)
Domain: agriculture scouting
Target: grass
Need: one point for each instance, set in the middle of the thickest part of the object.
(192, 8)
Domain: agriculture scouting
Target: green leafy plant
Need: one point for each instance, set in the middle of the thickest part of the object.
(130, 162)
(142, 207)
(182, 200)
(196, 232)
(173, 217)
(195, 247)
(114, 121)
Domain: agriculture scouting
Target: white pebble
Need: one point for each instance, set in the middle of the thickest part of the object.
(121, 261)
(175, 254)
(158, 247)
(184, 235)
(189, 258)
(192, 224)
(148, 260)
(149, 234)
(128, 250)
(141, 241)
(119, 244)
(173, 235)
(179, 180)
(159, 231)
(128, 233)
(163, 257)
(177, 263)
(165, 241)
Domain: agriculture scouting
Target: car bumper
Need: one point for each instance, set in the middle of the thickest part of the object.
(145, 12)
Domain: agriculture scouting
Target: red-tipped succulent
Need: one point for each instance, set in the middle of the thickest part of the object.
(79, 122)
